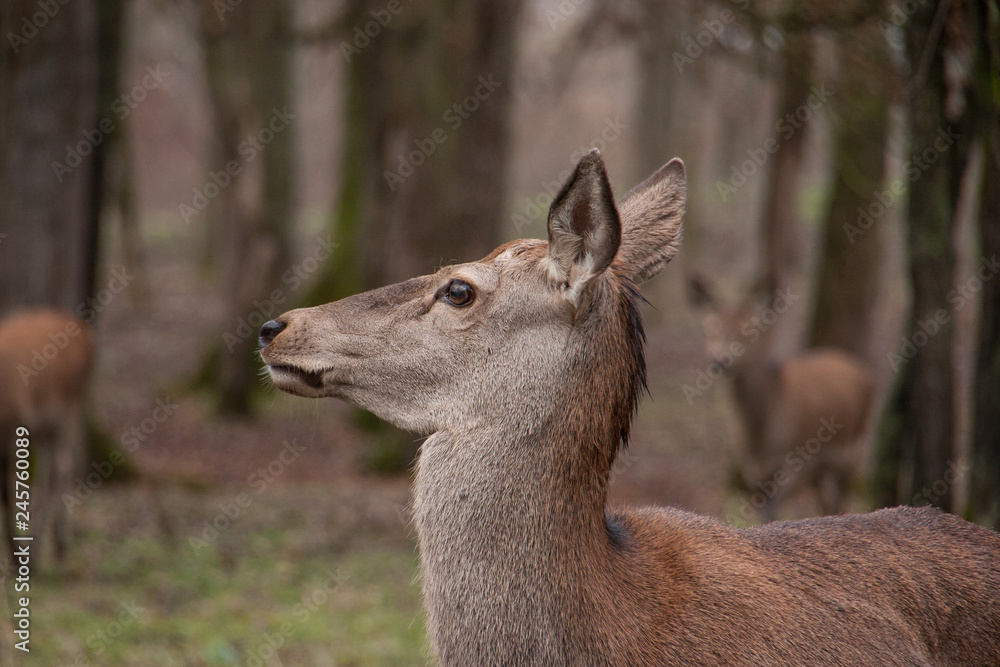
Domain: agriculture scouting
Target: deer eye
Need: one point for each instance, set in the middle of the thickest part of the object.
(459, 293)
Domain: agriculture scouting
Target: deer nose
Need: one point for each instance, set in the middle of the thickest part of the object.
(269, 331)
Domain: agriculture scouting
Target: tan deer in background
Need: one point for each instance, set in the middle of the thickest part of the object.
(524, 369)
(45, 363)
(805, 417)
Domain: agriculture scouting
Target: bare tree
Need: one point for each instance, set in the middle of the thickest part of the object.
(426, 138)
(782, 217)
(657, 41)
(426, 144)
(113, 174)
(986, 428)
(48, 133)
(918, 437)
(846, 307)
(248, 50)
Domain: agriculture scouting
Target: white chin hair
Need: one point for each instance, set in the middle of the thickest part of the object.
(294, 383)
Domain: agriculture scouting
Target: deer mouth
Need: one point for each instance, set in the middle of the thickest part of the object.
(292, 378)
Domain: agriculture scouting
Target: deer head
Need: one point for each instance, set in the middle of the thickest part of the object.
(460, 344)
(736, 322)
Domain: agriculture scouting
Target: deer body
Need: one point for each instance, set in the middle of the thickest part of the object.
(513, 576)
(524, 369)
(45, 363)
(805, 420)
(805, 417)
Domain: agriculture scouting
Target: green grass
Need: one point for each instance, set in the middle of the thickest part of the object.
(263, 593)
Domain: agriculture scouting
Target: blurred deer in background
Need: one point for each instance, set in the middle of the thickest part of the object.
(45, 363)
(805, 417)
(524, 368)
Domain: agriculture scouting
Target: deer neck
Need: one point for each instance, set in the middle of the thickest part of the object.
(539, 473)
(755, 381)
(509, 504)
(510, 519)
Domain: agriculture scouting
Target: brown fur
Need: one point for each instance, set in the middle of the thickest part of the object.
(527, 393)
(48, 401)
(805, 417)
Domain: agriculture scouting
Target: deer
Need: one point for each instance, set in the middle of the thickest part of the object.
(46, 358)
(524, 369)
(805, 417)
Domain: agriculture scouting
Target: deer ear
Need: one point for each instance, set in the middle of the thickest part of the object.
(651, 222)
(584, 230)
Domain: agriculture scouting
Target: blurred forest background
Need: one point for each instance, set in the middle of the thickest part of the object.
(177, 172)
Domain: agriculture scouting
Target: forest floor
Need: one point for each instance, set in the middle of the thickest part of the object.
(264, 542)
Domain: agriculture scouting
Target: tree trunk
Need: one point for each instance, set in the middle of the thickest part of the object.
(424, 167)
(423, 176)
(48, 131)
(663, 114)
(845, 313)
(113, 174)
(782, 216)
(986, 426)
(249, 51)
(922, 415)
(985, 498)
(658, 42)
